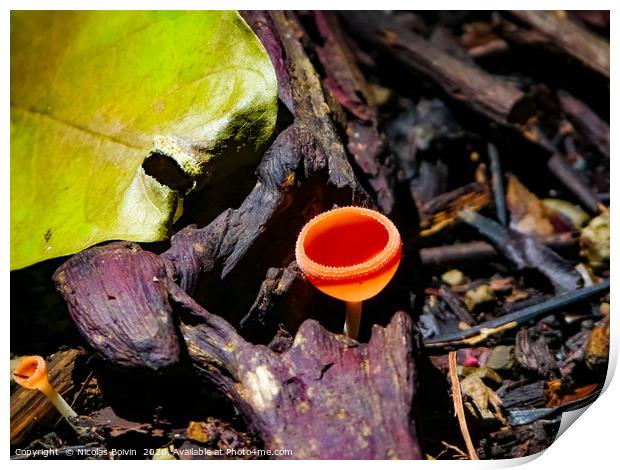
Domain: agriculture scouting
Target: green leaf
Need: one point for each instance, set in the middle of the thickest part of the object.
(116, 115)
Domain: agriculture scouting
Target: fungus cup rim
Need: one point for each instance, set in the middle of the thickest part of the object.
(372, 265)
(39, 374)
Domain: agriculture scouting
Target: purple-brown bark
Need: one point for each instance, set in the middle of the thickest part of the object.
(326, 397)
(118, 299)
(574, 40)
(485, 93)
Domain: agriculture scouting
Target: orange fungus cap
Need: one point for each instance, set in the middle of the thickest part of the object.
(31, 372)
(350, 253)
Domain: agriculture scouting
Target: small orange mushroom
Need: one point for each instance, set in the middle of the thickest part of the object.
(349, 253)
(31, 373)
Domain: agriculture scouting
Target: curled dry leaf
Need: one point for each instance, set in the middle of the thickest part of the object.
(484, 373)
(594, 241)
(483, 402)
(501, 357)
(527, 212)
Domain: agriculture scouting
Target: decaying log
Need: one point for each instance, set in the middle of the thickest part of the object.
(349, 90)
(570, 37)
(29, 407)
(326, 397)
(489, 95)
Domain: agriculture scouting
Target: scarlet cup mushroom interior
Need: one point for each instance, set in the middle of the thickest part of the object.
(352, 243)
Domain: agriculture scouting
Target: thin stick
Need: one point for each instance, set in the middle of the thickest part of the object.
(498, 184)
(352, 322)
(458, 406)
(480, 332)
(567, 175)
(455, 449)
(481, 252)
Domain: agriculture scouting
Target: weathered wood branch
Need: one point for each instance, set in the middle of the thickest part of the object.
(443, 210)
(489, 95)
(526, 252)
(326, 397)
(346, 86)
(481, 252)
(573, 181)
(117, 297)
(570, 37)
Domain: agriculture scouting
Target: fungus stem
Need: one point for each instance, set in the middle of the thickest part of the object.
(352, 322)
(59, 402)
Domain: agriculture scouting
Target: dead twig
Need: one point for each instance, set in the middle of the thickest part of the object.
(567, 175)
(480, 252)
(480, 332)
(570, 37)
(458, 406)
(497, 182)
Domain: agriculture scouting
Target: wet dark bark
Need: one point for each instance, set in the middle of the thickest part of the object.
(326, 397)
(346, 86)
(591, 126)
(485, 93)
(570, 37)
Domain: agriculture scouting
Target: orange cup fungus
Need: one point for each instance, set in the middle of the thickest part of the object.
(349, 253)
(31, 373)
